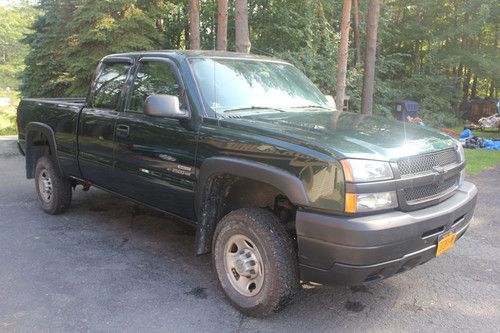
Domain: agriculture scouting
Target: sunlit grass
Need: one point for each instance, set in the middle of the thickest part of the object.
(8, 113)
(7, 124)
(479, 159)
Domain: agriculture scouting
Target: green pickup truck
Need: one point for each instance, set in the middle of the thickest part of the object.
(279, 185)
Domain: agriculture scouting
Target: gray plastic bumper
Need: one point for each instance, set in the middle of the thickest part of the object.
(353, 250)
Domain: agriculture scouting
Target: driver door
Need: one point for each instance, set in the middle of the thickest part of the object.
(154, 157)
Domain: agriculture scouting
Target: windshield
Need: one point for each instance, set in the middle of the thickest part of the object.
(240, 84)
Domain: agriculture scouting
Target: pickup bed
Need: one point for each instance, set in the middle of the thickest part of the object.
(279, 185)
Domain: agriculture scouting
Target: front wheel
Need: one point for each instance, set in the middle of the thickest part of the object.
(53, 189)
(255, 261)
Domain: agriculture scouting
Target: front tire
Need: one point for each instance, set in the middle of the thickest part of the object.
(53, 189)
(255, 261)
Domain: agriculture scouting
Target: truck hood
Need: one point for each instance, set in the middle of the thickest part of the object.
(343, 134)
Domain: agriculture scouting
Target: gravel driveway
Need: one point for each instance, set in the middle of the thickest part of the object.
(111, 265)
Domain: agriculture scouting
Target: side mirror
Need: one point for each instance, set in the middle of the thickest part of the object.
(164, 106)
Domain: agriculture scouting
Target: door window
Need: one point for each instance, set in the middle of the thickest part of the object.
(109, 85)
(153, 78)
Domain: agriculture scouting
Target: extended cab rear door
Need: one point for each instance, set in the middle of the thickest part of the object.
(155, 156)
(97, 122)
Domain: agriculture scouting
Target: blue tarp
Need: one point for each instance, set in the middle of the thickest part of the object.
(491, 145)
(466, 133)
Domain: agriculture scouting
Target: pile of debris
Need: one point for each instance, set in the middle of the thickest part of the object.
(468, 140)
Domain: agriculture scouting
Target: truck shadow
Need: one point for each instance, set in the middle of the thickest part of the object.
(129, 233)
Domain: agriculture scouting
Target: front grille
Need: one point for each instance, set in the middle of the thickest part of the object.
(426, 162)
(430, 191)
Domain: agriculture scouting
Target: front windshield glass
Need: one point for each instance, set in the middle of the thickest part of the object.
(229, 85)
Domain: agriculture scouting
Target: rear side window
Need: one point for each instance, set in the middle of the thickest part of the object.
(109, 83)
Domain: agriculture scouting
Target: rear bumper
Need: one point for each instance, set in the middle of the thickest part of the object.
(353, 250)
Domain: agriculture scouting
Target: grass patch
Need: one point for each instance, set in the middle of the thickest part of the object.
(7, 124)
(478, 159)
(8, 113)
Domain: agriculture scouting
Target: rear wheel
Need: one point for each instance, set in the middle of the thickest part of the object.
(255, 261)
(53, 189)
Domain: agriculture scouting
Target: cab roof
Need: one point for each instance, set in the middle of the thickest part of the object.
(196, 54)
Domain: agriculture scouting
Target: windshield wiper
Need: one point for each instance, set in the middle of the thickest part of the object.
(310, 106)
(253, 108)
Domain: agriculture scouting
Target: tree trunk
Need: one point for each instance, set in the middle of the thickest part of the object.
(371, 50)
(357, 38)
(222, 25)
(492, 85)
(343, 54)
(465, 89)
(194, 24)
(160, 21)
(473, 90)
(458, 81)
(242, 34)
(416, 60)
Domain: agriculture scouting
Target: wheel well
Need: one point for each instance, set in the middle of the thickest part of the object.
(225, 193)
(37, 146)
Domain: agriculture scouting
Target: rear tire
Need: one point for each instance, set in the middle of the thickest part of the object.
(255, 261)
(53, 189)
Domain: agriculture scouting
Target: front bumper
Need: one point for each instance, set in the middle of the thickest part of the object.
(353, 250)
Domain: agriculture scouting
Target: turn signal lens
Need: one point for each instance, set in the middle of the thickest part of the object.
(350, 203)
(368, 202)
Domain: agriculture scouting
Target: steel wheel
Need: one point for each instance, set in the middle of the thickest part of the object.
(243, 264)
(54, 190)
(45, 186)
(255, 261)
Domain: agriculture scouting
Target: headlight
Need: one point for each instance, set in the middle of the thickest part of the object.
(366, 170)
(360, 171)
(367, 202)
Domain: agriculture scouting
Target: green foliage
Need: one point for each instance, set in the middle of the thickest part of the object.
(13, 26)
(456, 37)
(104, 27)
(46, 66)
(302, 34)
(439, 53)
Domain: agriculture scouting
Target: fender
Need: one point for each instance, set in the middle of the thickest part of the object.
(46, 130)
(284, 181)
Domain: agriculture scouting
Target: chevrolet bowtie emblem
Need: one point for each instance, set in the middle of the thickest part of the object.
(439, 175)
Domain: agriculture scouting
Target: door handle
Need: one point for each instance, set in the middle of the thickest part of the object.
(122, 131)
